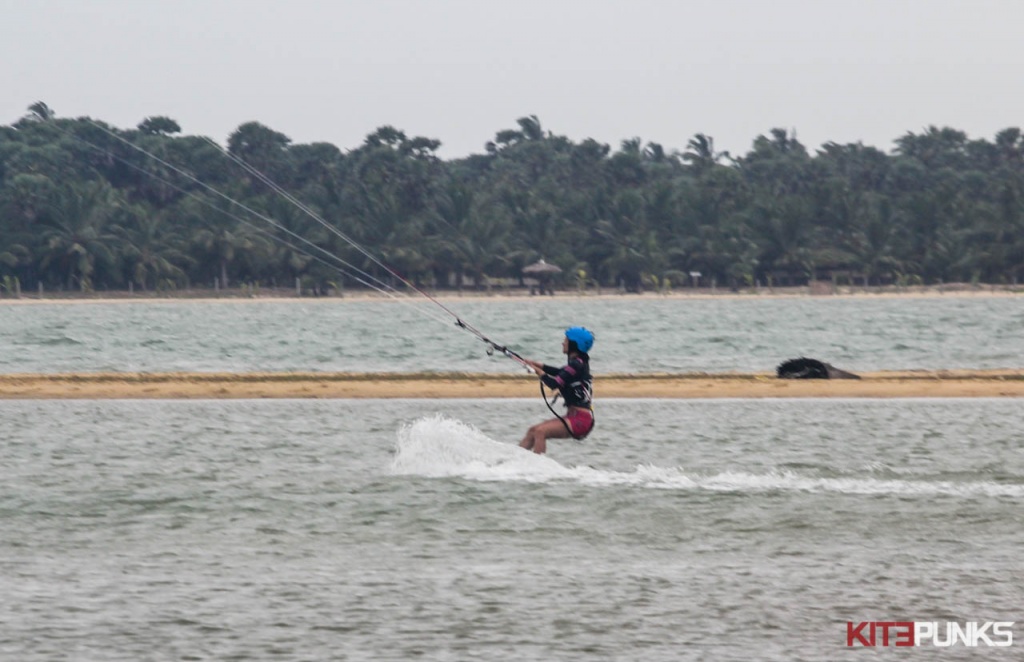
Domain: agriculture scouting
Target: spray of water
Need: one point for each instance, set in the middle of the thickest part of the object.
(440, 447)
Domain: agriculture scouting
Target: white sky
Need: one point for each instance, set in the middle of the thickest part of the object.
(461, 70)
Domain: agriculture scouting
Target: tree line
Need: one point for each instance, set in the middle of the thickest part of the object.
(82, 208)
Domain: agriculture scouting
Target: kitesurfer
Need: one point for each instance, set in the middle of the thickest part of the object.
(574, 384)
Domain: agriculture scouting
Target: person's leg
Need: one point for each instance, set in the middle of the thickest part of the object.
(527, 441)
(537, 436)
(528, 438)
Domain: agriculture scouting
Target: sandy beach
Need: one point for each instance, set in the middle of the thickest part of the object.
(941, 384)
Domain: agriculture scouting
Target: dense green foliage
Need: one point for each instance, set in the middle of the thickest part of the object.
(80, 208)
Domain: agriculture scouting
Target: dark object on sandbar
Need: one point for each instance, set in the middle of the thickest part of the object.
(804, 368)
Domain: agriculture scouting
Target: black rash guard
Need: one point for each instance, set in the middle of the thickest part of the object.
(573, 381)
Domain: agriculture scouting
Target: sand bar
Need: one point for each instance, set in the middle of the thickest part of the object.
(915, 384)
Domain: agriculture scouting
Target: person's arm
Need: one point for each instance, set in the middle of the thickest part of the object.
(536, 366)
(556, 378)
(541, 369)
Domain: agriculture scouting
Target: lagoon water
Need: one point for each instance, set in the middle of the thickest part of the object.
(415, 529)
(634, 335)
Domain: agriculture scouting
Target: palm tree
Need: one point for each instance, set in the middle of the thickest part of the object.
(935, 148)
(385, 136)
(26, 197)
(872, 242)
(151, 250)
(263, 149)
(633, 247)
(40, 112)
(159, 125)
(469, 241)
(529, 130)
(626, 166)
(223, 244)
(76, 240)
(701, 154)
(530, 127)
(11, 260)
(785, 235)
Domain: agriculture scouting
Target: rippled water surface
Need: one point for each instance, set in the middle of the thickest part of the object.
(634, 335)
(397, 530)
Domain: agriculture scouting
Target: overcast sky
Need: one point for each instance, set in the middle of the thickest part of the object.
(461, 70)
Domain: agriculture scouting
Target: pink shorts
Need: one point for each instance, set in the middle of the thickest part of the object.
(581, 422)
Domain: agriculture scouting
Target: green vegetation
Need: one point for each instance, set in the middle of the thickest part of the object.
(82, 210)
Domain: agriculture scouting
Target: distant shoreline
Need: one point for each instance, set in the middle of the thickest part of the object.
(910, 384)
(499, 294)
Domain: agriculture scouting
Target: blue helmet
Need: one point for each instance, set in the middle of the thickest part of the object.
(584, 338)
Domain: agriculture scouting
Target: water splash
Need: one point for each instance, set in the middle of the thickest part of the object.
(437, 446)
